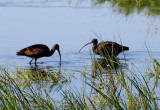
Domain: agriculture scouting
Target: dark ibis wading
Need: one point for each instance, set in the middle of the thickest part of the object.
(106, 49)
(39, 50)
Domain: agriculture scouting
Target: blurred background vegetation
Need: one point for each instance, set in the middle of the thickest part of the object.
(152, 7)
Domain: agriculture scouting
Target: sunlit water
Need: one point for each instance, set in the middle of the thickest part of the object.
(23, 23)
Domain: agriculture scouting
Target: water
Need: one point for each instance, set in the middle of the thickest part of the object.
(27, 22)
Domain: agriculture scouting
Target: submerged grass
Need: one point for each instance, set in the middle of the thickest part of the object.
(110, 87)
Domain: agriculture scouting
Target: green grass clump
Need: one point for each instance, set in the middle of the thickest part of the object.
(25, 89)
(111, 86)
(12, 96)
(130, 6)
(117, 90)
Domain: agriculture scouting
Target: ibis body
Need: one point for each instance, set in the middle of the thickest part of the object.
(39, 50)
(106, 49)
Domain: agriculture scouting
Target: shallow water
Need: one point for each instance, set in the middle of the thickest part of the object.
(24, 23)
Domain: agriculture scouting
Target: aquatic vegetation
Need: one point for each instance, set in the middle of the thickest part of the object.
(26, 89)
(130, 6)
(12, 96)
(117, 89)
(112, 87)
(155, 73)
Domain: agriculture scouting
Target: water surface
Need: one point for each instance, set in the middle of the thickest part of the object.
(28, 22)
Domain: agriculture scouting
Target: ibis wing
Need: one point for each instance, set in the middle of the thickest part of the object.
(35, 51)
(107, 48)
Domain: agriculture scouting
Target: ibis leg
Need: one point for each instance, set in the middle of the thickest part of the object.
(31, 61)
(35, 60)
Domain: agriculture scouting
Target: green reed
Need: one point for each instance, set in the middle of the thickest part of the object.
(111, 86)
(26, 89)
(14, 97)
(151, 7)
(117, 89)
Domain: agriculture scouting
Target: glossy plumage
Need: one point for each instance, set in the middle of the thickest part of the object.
(106, 49)
(38, 50)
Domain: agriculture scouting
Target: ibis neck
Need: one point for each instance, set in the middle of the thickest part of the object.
(94, 47)
(51, 52)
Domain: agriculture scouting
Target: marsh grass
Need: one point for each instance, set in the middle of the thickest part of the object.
(25, 89)
(36, 74)
(116, 91)
(155, 73)
(127, 7)
(13, 96)
(112, 87)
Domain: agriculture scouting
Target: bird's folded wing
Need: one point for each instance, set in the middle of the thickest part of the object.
(35, 51)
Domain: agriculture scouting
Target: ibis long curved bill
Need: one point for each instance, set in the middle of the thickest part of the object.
(85, 45)
(59, 55)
